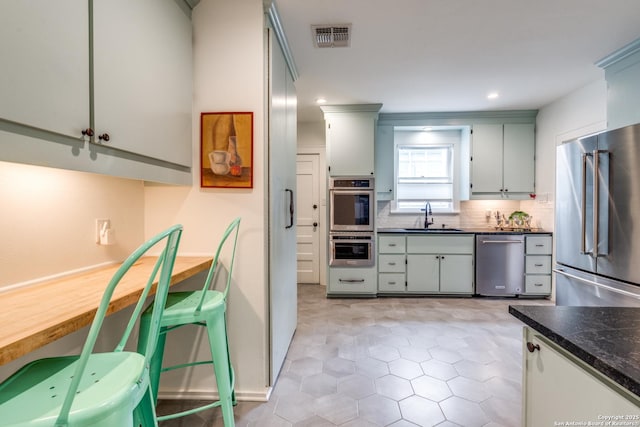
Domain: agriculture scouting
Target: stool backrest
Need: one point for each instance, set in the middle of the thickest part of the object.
(163, 265)
(227, 246)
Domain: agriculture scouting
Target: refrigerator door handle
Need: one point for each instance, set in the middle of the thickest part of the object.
(596, 201)
(291, 208)
(600, 174)
(583, 212)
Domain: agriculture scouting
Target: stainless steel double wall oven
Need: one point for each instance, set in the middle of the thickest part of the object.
(352, 221)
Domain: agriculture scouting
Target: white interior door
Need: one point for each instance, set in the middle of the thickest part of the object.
(308, 234)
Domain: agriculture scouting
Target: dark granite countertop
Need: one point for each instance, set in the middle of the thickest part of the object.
(437, 230)
(607, 338)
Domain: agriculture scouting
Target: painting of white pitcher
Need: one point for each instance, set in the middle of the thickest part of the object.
(220, 162)
(226, 150)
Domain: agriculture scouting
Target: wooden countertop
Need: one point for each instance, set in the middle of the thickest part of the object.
(36, 315)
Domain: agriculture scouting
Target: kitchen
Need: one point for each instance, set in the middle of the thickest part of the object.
(72, 200)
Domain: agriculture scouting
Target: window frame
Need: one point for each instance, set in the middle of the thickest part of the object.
(456, 145)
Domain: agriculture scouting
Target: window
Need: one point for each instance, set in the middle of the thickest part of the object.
(427, 169)
(425, 173)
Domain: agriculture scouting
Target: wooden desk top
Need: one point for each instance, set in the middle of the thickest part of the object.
(36, 315)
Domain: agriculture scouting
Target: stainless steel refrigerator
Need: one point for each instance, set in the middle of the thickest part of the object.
(597, 230)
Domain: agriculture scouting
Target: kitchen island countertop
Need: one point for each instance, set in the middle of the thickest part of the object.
(606, 338)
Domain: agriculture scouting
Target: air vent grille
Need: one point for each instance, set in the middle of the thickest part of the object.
(331, 35)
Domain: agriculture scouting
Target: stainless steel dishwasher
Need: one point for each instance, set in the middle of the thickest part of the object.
(499, 264)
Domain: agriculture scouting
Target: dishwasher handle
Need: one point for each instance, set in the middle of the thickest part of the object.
(501, 241)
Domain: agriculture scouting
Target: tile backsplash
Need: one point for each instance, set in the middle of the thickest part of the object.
(473, 214)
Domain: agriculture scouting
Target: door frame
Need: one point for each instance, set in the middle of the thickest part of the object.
(322, 212)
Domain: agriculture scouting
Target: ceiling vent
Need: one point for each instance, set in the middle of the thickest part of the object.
(331, 35)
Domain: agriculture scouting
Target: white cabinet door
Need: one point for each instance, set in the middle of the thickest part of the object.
(486, 166)
(423, 273)
(143, 77)
(519, 154)
(456, 274)
(350, 145)
(384, 162)
(44, 82)
(503, 160)
(558, 387)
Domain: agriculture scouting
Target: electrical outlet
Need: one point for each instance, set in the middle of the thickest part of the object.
(100, 222)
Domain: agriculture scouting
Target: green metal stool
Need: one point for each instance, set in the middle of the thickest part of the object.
(95, 389)
(205, 307)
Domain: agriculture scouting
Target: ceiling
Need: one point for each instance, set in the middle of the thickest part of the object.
(448, 55)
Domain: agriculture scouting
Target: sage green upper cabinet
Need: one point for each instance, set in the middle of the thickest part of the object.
(503, 159)
(44, 82)
(350, 138)
(142, 77)
(120, 68)
(384, 162)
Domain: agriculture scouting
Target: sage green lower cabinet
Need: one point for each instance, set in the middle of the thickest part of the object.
(434, 273)
(557, 388)
(440, 264)
(357, 281)
(537, 279)
(435, 264)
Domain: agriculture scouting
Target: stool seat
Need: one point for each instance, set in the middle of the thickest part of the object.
(108, 391)
(182, 306)
(206, 308)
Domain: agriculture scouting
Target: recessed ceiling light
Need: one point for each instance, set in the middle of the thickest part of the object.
(321, 101)
(493, 95)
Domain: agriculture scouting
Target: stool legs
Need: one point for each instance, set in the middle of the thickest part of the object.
(222, 366)
(155, 367)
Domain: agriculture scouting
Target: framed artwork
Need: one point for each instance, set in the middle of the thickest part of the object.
(226, 150)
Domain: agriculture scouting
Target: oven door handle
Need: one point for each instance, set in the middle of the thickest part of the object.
(291, 207)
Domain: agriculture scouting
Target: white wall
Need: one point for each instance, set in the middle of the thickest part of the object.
(48, 224)
(48, 220)
(580, 112)
(228, 76)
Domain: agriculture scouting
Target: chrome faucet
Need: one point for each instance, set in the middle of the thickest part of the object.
(427, 212)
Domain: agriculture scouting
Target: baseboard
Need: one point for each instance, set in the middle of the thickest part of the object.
(243, 396)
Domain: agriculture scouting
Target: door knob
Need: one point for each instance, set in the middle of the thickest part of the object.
(532, 347)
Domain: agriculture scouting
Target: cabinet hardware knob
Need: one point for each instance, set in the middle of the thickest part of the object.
(315, 206)
(315, 224)
(104, 137)
(506, 189)
(532, 347)
(442, 257)
(87, 132)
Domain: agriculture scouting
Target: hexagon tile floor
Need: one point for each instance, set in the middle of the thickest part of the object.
(396, 362)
